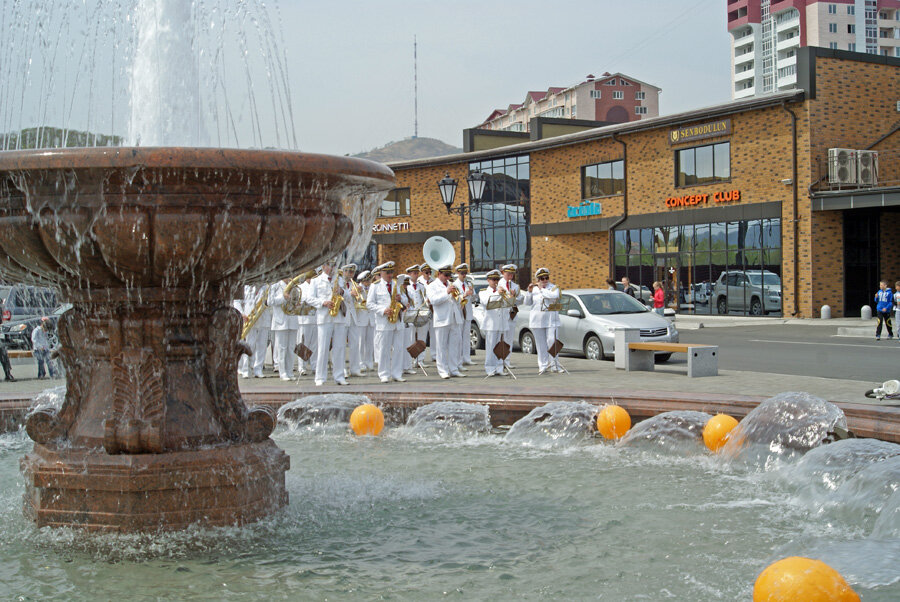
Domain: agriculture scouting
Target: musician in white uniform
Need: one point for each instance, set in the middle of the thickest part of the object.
(509, 284)
(357, 319)
(466, 301)
(495, 322)
(367, 337)
(307, 324)
(330, 330)
(390, 337)
(447, 321)
(543, 320)
(284, 331)
(425, 278)
(258, 337)
(416, 293)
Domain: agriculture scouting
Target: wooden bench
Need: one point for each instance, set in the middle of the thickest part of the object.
(19, 353)
(703, 360)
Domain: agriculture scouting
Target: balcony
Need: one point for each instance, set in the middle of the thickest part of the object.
(786, 24)
(786, 61)
(740, 59)
(788, 43)
(745, 93)
(744, 40)
(885, 175)
(744, 75)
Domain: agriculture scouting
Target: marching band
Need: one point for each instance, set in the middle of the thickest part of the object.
(370, 319)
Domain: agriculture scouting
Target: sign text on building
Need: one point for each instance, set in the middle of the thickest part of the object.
(585, 209)
(722, 196)
(394, 227)
(722, 127)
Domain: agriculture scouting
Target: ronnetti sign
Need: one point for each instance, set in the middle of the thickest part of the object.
(713, 129)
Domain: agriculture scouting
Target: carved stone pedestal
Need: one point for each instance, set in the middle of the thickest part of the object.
(230, 485)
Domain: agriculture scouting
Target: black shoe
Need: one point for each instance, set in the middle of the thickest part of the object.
(11, 378)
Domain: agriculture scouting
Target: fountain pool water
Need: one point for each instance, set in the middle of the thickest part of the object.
(407, 517)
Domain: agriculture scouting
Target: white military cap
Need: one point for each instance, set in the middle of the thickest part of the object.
(348, 267)
(541, 272)
(462, 266)
(446, 270)
(510, 267)
(387, 265)
(412, 268)
(363, 275)
(493, 274)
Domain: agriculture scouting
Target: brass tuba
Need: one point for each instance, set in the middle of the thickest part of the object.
(256, 314)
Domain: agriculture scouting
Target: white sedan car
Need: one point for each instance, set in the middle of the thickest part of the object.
(588, 322)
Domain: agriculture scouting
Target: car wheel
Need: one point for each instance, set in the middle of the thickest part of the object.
(662, 358)
(476, 341)
(722, 305)
(593, 348)
(756, 307)
(526, 342)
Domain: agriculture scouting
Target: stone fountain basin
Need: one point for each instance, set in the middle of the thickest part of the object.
(174, 218)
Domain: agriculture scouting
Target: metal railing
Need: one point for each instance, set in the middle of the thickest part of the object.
(881, 170)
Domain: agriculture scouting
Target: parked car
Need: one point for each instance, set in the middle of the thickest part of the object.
(16, 333)
(25, 301)
(757, 292)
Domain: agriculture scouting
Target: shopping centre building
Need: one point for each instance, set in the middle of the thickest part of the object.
(777, 204)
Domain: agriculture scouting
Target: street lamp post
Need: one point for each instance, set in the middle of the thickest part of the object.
(447, 186)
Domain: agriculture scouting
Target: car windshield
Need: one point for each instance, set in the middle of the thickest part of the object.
(605, 304)
(767, 279)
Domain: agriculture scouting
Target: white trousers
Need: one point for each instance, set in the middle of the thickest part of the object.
(543, 338)
(354, 337)
(458, 341)
(334, 334)
(431, 341)
(551, 338)
(257, 339)
(465, 348)
(284, 350)
(367, 347)
(307, 336)
(492, 364)
(389, 351)
(444, 350)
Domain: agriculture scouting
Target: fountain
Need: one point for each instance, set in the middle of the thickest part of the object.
(150, 245)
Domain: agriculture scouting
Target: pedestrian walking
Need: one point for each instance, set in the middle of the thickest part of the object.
(40, 347)
(659, 298)
(884, 306)
(897, 305)
(4, 361)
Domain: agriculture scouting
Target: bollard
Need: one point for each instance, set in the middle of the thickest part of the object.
(825, 312)
(865, 313)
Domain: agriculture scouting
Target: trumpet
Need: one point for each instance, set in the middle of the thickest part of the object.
(470, 282)
(358, 297)
(256, 314)
(337, 299)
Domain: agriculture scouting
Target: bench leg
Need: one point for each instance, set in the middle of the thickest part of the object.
(639, 360)
(703, 361)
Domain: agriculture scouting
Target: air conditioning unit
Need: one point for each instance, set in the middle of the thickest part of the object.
(867, 168)
(841, 166)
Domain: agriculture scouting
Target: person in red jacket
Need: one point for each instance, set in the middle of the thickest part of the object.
(659, 297)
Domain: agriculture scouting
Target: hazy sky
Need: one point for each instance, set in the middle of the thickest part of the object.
(351, 62)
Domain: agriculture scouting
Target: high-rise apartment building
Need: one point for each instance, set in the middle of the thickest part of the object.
(765, 36)
(613, 98)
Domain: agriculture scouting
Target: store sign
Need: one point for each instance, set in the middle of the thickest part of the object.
(713, 129)
(585, 209)
(394, 227)
(722, 196)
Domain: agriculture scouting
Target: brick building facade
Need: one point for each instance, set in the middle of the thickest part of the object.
(692, 199)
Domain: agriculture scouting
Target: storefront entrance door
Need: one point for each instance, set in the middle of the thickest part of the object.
(667, 270)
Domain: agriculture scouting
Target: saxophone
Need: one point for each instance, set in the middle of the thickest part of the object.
(255, 315)
(337, 299)
(396, 306)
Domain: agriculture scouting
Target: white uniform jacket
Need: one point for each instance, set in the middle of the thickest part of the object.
(446, 309)
(416, 294)
(280, 320)
(513, 289)
(494, 319)
(306, 294)
(252, 295)
(355, 317)
(470, 295)
(539, 298)
(379, 299)
(322, 287)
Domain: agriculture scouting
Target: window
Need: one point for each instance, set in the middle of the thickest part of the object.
(640, 95)
(595, 94)
(640, 110)
(832, 9)
(395, 203)
(832, 28)
(499, 223)
(851, 28)
(624, 82)
(618, 95)
(602, 179)
(610, 82)
(851, 10)
(851, 46)
(832, 45)
(703, 164)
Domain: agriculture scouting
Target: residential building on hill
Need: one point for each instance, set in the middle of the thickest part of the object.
(766, 34)
(610, 98)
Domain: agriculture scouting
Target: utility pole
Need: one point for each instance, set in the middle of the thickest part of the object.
(415, 88)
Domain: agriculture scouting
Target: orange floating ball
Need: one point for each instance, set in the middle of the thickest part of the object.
(716, 431)
(795, 578)
(367, 419)
(613, 422)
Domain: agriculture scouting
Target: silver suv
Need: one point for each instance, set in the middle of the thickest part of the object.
(756, 292)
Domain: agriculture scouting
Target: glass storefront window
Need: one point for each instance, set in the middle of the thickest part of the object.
(703, 164)
(499, 224)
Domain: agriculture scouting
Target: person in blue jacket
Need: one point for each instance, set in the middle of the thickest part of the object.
(884, 305)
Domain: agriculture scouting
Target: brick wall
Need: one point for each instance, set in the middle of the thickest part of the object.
(890, 247)
(574, 260)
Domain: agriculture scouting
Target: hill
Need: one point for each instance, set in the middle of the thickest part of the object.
(408, 149)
